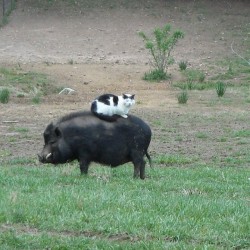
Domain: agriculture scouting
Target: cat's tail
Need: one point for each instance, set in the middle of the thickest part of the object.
(149, 159)
(107, 118)
(101, 116)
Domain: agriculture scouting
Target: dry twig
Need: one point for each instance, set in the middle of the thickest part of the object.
(66, 91)
(248, 62)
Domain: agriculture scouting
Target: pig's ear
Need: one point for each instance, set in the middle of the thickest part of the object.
(58, 132)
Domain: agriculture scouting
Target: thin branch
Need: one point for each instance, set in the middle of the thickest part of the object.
(66, 90)
(248, 62)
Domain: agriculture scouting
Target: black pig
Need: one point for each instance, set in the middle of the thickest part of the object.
(87, 138)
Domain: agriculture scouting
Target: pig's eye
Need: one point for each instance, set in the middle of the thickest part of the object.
(52, 142)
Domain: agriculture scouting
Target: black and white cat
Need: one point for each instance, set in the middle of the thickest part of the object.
(109, 105)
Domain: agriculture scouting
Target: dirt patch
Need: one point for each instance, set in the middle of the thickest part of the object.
(109, 34)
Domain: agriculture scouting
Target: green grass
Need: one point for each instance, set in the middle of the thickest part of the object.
(201, 135)
(194, 85)
(18, 129)
(194, 75)
(26, 83)
(242, 133)
(36, 99)
(175, 208)
(155, 76)
(172, 160)
(234, 67)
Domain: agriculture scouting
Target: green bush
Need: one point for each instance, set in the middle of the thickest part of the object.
(4, 95)
(161, 47)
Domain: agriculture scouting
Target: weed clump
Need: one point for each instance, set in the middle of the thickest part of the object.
(220, 89)
(182, 97)
(155, 75)
(26, 83)
(182, 65)
(4, 95)
(190, 84)
(36, 99)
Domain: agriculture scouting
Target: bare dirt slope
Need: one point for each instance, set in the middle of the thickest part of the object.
(109, 34)
(108, 56)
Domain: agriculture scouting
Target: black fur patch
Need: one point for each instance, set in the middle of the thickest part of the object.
(93, 106)
(104, 99)
(73, 115)
(107, 118)
(115, 100)
(130, 97)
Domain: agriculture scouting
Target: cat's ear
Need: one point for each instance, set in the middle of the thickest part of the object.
(133, 96)
(124, 96)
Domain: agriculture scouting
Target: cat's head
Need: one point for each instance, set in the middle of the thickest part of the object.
(128, 99)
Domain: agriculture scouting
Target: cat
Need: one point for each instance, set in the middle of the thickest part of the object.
(110, 107)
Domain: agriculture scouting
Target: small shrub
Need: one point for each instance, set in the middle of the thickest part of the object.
(182, 65)
(201, 77)
(155, 75)
(71, 62)
(182, 97)
(36, 99)
(220, 89)
(190, 84)
(161, 46)
(4, 95)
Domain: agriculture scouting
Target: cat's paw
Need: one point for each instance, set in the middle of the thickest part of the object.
(124, 116)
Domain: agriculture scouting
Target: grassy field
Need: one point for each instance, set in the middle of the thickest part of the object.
(203, 207)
